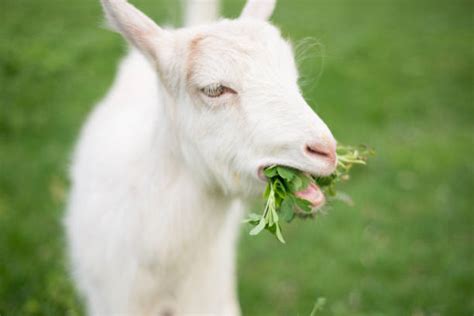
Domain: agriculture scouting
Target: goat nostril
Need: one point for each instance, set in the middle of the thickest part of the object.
(322, 151)
(316, 151)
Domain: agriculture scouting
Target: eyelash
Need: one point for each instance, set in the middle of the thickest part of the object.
(216, 90)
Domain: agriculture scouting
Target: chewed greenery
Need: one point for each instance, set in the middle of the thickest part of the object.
(282, 203)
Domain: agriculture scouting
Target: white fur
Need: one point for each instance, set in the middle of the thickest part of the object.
(162, 172)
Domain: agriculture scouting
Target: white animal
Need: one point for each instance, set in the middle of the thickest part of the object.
(167, 161)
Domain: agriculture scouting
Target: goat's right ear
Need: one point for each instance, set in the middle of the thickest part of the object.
(258, 9)
(138, 29)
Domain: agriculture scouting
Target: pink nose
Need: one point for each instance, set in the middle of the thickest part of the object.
(326, 151)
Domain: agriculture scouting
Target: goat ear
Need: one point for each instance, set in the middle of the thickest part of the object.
(258, 9)
(137, 28)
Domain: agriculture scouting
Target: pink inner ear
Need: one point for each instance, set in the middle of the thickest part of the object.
(135, 26)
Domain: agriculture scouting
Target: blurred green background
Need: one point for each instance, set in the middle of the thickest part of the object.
(397, 75)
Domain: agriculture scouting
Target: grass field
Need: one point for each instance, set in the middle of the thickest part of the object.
(397, 75)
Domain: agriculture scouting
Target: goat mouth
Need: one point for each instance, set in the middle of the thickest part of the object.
(312, 193)
(261, 171)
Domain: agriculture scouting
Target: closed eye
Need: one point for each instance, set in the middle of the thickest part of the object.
(216, 90)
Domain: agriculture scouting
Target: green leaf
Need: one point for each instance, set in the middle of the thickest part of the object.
(257, 229)
(271, 172)
(303, 205)
(279, 188)
(296, 184)
(252, 217)
(270, 218)
(275, 216)
(279, 234)
(266, 194)
(305, 181)
(286, 173)
(330, 190)
(271, 229)
(286, 209)
(276, 231)
(325, 181)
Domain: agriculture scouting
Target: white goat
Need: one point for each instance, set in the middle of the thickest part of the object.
(169, 158)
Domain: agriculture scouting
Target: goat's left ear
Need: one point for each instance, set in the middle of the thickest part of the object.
(258, 9)
(138, 29)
